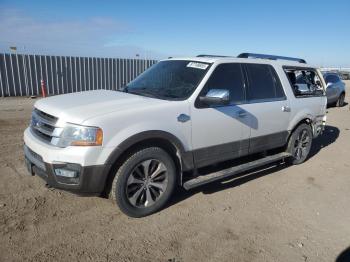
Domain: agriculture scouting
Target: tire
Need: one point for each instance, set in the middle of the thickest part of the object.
(135, 191)
(340, 102)
(298, 149)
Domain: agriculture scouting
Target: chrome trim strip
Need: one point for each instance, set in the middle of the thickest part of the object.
(43, 126)
(43, 130)
(42, 119)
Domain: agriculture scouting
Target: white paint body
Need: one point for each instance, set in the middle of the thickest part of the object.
(122, 115)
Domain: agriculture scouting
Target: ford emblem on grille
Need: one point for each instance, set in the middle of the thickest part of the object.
(36, 122)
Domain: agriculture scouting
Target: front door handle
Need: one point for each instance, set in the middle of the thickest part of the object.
(286, 109)
(242, 113)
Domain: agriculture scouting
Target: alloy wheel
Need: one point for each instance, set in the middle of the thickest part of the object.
(301, 145)
(146, 183)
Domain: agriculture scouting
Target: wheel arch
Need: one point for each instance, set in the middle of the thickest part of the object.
(168, 142)
(303, 116)
(304, 120)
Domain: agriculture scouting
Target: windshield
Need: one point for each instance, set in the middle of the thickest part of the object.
(171, 80)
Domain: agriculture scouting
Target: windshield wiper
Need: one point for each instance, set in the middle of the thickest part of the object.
(142, 91)
(143, 94)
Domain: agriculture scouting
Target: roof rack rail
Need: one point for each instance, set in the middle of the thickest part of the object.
(271, 57)
(212, 56)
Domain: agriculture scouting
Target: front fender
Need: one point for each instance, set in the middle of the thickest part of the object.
(185, 157)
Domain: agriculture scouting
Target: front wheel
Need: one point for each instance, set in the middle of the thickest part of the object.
(144, 182)
(299, 144)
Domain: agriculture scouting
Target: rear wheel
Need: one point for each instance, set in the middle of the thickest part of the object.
(144, 183)
(299, 144)
(341, 99)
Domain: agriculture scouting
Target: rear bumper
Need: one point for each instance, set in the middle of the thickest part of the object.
(89, 179)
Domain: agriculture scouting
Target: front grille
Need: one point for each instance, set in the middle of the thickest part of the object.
(43, 125)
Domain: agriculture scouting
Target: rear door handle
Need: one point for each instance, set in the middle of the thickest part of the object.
(286, 109)
(242, 113)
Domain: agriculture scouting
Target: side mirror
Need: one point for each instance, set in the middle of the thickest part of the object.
(329, 84)
(216, 97)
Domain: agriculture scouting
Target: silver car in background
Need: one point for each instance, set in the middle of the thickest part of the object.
(335, 89)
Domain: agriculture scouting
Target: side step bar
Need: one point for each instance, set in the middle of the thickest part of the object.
(225, 173)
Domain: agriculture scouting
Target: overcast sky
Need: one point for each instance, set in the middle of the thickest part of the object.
(315, 30)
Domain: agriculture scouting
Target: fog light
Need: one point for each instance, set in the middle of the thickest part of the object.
(66, 173)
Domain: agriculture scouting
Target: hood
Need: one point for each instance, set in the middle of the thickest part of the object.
(79, 107)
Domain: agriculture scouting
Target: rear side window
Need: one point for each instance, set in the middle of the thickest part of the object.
(229, 77)
(304, 82)
(264, 83)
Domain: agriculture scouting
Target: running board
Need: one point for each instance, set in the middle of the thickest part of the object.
(225, 173)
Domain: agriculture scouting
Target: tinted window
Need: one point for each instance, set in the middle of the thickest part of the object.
(263, 83)
(229, 77)
(278, 86)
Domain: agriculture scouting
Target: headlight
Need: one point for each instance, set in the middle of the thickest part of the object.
(75, 135)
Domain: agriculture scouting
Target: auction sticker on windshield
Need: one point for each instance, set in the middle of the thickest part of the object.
(197, 65)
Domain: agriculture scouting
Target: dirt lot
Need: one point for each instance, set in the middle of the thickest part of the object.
(299, 213)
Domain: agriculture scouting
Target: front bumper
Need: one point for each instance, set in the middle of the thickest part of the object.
(90, 179)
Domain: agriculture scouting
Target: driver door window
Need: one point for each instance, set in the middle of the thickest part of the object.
(228, 77)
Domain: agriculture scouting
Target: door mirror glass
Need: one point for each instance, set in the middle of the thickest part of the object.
(216, 97)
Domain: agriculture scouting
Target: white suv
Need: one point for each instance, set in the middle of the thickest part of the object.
(135, 145)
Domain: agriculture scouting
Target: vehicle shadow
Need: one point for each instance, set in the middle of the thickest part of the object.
(233, 112)
(329, 136)
(331, 106)
(344, 256)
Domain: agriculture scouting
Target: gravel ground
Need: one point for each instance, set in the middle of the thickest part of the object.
(297, 213)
